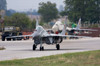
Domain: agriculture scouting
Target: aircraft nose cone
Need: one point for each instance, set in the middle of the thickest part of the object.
(34, 34)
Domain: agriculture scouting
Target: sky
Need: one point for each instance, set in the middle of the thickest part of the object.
(25, 5)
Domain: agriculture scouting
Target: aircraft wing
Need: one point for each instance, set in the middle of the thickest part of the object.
(65, 35)
(84, 29)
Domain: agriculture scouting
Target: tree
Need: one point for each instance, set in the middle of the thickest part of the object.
(63, 13)
(33, 24)
(93, 10)
(88, 10)
(48, 11)
(8, 21)
(10, 12)
(3, 5)
(21, 20)
(18, 20)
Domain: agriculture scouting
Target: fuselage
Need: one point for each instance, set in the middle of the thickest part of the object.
(42, 36)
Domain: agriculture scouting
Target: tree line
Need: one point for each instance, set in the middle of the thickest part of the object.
(19, 20)
(87, 10)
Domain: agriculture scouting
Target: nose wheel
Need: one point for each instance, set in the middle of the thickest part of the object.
(41, 48)
(58, 46)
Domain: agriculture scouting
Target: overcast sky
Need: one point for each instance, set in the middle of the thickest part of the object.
(24, 5)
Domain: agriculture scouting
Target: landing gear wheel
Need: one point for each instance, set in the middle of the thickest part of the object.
(8, 39)
(34, 47)
(3, 38)
(41, 48)
(58, 47)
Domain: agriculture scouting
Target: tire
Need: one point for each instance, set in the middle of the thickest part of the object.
(41, 48)
(58, 47)
(8, 39)
(34, 47)
(3, 38)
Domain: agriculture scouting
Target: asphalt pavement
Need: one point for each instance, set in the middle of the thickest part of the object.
(23, 49)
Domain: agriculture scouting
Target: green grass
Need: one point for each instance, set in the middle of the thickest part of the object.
(91, 58)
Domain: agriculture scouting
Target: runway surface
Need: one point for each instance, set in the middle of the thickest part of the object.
(23, 49)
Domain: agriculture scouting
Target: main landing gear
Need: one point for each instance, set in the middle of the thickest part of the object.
(58, 46)
(34, 47)
(41, 47)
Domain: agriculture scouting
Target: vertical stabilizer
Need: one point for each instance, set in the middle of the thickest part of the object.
(37, 22)
(64, 29)
(79, 24)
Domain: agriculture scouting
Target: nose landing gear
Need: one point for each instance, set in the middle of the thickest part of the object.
(41, 48)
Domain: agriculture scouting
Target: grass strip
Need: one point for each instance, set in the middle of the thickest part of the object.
(90, 58)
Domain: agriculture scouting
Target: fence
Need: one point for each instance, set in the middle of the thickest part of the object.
(90, 25)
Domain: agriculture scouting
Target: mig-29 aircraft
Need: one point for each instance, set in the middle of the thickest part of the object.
(77, 29)
(41, 36)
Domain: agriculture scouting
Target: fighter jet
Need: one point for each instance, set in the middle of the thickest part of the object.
(73, 31)
(41, 36)
(79, 26)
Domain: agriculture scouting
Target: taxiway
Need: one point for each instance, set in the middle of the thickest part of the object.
(23, 49)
